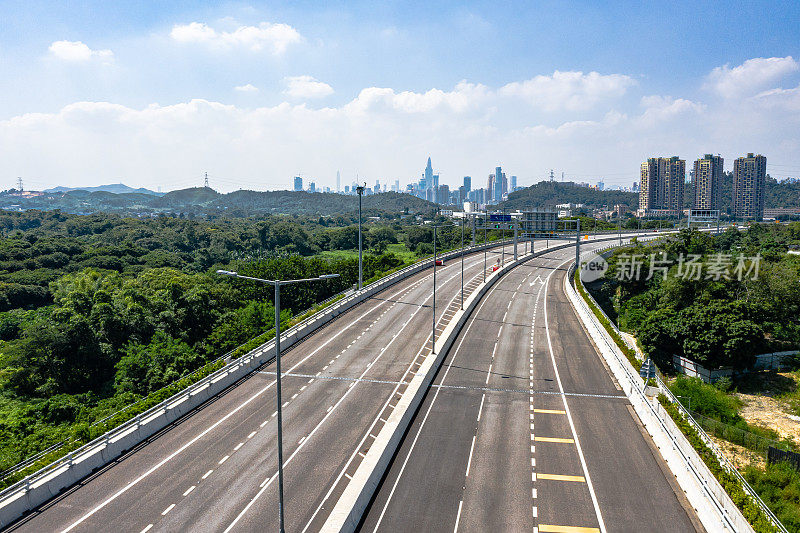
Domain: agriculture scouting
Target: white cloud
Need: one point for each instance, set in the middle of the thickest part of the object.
(750, 77)
(788, 99)
(77, 51)
(275, 37)
(464, 97)
(306, 87)
(570, 91)
(663, 108)
(384, 133)
(248, 88)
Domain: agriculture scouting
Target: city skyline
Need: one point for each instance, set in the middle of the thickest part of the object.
(257, 93)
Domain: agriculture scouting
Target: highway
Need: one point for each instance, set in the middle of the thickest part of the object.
(215, 469)
(524, 429)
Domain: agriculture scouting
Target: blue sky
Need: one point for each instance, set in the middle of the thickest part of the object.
(146, 92)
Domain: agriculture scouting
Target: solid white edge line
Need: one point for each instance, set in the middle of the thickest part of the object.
(333, 486)
(430, 407)
(589, 484)
(267, 482)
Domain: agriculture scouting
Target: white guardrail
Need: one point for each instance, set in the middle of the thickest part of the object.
(46, 483)
(712, 503)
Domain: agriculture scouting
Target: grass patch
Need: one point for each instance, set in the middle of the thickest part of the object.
(750, 509)
(401, 251)
(779, 487)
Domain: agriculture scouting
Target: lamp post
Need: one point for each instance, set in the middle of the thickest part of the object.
(462, 263)
(433, 320)
(504, 237)
(277, 284)
(360, 191)
(485, 242)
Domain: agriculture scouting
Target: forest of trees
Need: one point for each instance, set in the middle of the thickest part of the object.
(712, 320)
(97, 311)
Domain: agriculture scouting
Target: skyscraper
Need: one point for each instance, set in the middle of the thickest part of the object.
(468, 183)
(513, 184)
(707, 182)
(443, 194)
(497, 185)
(298, 183)
(749, 176)
(661, 184)
(338, 182)
(429, 175)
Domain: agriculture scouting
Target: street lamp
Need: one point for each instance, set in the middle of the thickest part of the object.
(277, 284)
(433, 336)
(504, 237)
(360, 191)
(462, 261)
(485, 242)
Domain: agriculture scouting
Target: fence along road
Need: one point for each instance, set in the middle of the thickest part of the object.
(206, 471)
(525, 429)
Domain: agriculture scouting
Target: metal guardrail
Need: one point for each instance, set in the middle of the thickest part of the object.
(636, 380)
(30, 460)
(726, 464)
(162, 407)
(747, 439)
(637, 390)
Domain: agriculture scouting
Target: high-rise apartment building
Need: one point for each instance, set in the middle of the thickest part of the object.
(749, 177)
(468, 183)
(497, 186)
(661, 184)
(298, 183)
(443, 194)
(707, 182)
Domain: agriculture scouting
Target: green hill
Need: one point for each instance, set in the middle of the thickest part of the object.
(551, 193)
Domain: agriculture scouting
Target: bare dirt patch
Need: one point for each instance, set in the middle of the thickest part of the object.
(769, 412)
(771, 399)
(740, 456)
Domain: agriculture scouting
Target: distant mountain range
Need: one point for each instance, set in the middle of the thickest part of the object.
(116, 188)
(203, 201)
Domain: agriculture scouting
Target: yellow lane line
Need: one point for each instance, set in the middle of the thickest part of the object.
(548, 528)
(555, 439)
(550, 411)
(558, 477)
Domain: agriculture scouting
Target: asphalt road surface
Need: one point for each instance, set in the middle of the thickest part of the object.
(524, 429)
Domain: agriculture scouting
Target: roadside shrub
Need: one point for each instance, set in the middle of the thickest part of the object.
(707, 399)
(779, 487)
